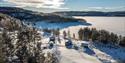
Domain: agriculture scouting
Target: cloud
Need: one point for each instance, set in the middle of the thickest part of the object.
(108, 7)
(54, 4)
(104, 8)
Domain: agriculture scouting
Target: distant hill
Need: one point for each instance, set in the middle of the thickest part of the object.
(91, 13)
(20, 13)
(27, 15)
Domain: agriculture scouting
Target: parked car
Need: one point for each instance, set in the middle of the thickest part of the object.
(68, 44)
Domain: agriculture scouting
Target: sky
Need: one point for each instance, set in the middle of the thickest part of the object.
(66, 5)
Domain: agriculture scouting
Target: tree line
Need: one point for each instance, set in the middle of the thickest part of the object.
(103, 36)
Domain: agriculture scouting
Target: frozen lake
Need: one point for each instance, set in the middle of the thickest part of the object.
(112, 24)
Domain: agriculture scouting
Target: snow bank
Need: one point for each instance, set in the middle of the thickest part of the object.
(109, 52)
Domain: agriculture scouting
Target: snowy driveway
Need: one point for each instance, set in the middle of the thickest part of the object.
(73, 56)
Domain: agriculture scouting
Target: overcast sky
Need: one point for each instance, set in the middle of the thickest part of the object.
(66, 5)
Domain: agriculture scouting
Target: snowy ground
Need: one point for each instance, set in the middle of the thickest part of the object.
(103, 53)
(73, 56)
(110, 53)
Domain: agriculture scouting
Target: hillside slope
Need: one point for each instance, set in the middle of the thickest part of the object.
(27, 15)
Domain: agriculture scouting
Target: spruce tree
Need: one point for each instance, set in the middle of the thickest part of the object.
(74, 36)
(80, 33)
(69, 35)
(95, 34)
(86, 33)
(122, 43)
(64, 34)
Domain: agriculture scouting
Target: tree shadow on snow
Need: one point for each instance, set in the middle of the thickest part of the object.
(112, 52)
(89, 51)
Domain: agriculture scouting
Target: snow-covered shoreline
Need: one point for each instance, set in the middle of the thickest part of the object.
(60, 25)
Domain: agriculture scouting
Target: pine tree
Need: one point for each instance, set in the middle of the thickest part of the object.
(122, 43)
(2, 56)
(104, 36)
(113, 38)
(95, 34)
(64, 34)
(86, 33)
(69, 35)
(80, 33)
(74, 36)
(119, 39)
